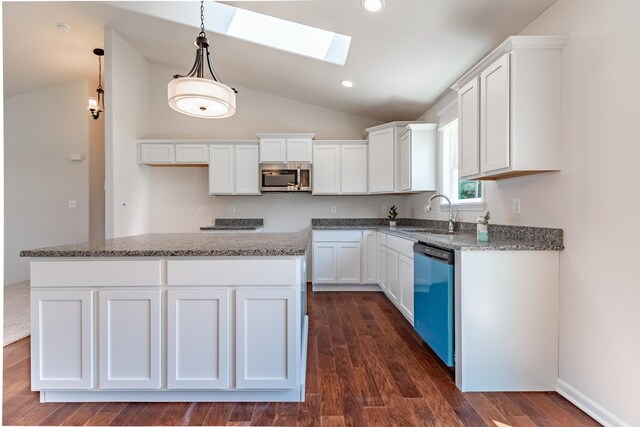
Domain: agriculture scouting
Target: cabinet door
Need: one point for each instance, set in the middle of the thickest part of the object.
(382, 161)
(326, 169)
(198, 339)
(405, 161)
(393, 286)
(349, 260)
(273, 150)
(298, 149)
(469, 129)
(266, 339)
(129, 331)
(353, 169)
(325, 262)
(61, 340)
(157, 153)
(192, 153)
(222, 169)
(383, 268)
(495, 116)
(405, 278)
(247, 179)
(370, 257)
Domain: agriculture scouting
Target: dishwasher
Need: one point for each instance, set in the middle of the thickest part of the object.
(434, 299)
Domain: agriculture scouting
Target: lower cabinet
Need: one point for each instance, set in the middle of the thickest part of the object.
(393, 286)
(370, 256)
(405, 280)
(129, 329)
(266, 356)
(325, 262)
(61, 341)
(337, 257)
(348, 260)
(383, 268)
(198, 329)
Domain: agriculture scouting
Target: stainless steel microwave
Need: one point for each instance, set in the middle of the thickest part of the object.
(285, 177)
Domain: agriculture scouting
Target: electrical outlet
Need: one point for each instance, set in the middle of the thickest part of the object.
(73, 204)
(385, 209)
(200, 210)
(516, 207)
(232, 209)
(333, 209)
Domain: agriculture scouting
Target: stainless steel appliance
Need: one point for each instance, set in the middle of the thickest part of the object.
(285, 177)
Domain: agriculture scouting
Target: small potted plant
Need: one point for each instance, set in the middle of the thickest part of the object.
(483, 227)
(393, 213)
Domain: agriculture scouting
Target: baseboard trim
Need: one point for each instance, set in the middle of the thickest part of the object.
(593, 409)
(317, 287)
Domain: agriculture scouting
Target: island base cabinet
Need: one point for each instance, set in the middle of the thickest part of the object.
(266, 338)
(198, 339)
(61, 341)
(129, 331)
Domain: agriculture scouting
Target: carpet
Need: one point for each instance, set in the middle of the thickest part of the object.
(16, 312)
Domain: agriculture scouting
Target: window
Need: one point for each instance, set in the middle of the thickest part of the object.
(461, 193)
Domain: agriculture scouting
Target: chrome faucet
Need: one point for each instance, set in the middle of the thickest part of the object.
(452, 218)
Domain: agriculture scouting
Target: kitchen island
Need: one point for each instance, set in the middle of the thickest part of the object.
(170, 317)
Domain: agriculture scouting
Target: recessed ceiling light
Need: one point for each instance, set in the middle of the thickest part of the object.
(347, 83)
(63, 28)
(373, 5)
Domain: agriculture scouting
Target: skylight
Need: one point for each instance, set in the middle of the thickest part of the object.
(279, 33)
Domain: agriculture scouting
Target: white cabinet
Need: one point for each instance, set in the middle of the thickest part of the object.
(382, 276)
(339, 167)
(62, 339)
(129, 331)
(510, 109)
(494, 116)
(326, 169)
(267, 347)
(325, 262)
(370, 256)
(279, 148)
(393, 286)
(382, 160)
(192, 153)
(160, 153)
(469, 129)
(406, 283)
(418, 161)
(349, 260)
(198, 327)
(233, 169)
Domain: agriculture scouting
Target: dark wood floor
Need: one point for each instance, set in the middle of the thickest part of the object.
(366, 367)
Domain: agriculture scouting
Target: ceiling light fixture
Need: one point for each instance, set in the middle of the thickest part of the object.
(96, 105)
(373, 5)
(193, 94)
(347, 83)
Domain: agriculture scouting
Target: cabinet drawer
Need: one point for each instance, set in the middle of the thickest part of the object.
(234, 272)
(337, 236)
(96, 273)
(400, 245)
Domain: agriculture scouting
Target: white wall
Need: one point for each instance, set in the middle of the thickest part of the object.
(42, 128)
(594, 199)
(176, 193)
(126, 118)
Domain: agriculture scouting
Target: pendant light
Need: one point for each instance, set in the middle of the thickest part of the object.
(195, 95)
(96, 105)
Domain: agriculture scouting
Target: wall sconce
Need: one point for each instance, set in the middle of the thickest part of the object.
(96, 105)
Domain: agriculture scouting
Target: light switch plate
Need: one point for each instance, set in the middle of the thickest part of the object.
(333, 209)
(73, 204)
(516, 206)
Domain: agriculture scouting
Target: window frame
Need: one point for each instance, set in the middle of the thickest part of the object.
(477, 204)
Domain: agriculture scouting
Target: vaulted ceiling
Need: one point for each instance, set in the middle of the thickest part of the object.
(401, 59)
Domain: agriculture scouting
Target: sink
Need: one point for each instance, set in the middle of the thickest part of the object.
(427, 230)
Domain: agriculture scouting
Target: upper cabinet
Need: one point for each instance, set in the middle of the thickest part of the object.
(339, 167)
(510, 108)
(280, 148)
(397, 165)
(418, 157)
(168, 153)
(233, 169)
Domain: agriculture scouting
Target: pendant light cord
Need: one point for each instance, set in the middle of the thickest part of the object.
(99, 72)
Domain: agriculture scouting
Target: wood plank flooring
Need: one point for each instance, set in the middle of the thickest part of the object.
(366, 367)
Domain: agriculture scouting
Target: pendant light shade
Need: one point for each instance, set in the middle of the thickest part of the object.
(199, 97)
(196, 96)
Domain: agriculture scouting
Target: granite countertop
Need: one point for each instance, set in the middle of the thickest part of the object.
(235, 224)
(185, 244)
(501, 237)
